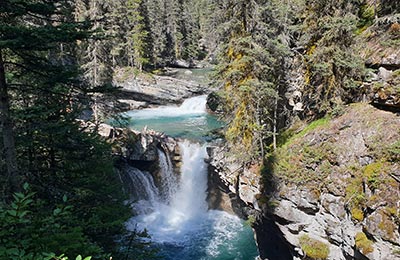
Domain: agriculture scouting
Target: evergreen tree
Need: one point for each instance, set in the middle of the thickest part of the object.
(41, 99)
(158, 29)
(333, 71)
(138, 36)
(250, 73)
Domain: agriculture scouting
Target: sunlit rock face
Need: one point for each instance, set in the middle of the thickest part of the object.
(337, 183)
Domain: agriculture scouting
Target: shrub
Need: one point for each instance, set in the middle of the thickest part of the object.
(313, 248)
(363, 243)
(357, 214)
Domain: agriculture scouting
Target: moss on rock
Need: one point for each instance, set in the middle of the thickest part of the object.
(363, 243)
(313, 248)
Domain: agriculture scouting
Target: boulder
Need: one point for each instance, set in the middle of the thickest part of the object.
(143, 90)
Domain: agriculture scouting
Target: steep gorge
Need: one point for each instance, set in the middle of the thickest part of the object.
(333, 183)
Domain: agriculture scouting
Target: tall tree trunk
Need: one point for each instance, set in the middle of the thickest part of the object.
(7, 131)
(275, 123)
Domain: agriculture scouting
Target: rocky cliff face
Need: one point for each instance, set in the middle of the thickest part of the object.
(337, 184)
(232, 187)
(141, 150)
(332, 191)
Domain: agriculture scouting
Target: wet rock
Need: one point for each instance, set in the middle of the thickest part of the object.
(181, 64)
(128, 104)
(144, 90)
(213, 102)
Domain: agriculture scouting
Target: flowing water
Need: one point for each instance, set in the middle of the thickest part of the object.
(177, 216)
(189, 120)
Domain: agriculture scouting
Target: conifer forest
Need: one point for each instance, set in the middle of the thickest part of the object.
(199, 129)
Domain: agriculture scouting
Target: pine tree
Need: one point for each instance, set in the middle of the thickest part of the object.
(157, 13)
(42, 97)
(138, 36)
(250, 72)
(333, 70)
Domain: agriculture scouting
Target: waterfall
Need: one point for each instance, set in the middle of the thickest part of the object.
(187, 203)
(191, 197)
(142, 189)
(169, 182)
(194, 105)
(176, 216)
(191, 106)
(181, 226)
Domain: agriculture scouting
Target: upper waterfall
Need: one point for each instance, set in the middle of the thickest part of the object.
(191, 106)
(189, 120)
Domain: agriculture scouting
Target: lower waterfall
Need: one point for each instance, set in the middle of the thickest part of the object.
(182, 228)
(169, 182)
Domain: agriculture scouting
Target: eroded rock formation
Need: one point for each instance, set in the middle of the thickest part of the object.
(333, 186)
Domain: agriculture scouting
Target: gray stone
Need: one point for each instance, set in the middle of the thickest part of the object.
(392, 60)
(381, 226)
(384, 74)
(287, 210)
(157, 90)
(334, 205)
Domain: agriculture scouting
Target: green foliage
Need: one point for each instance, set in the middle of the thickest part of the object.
(29, 232)
(137, 245)
(289, 137)
(366, 15)
(372, 173)
(314, 249)
(139, 34)
(249, 72)
(78, 202)
(394, 152)
(357, 214)
(387, 7)
(251, 220)
(363, 243)
(333, 69)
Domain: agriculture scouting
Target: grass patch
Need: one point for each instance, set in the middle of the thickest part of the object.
(287, 137)
(372, 173)
(393, 152)
(313, 248)
(357, 214)
(301, 163)
(363, 243)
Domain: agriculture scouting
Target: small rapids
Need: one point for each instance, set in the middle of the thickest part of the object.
(190, 120)
(190, 107)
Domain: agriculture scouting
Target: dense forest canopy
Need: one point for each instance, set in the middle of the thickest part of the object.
(59, 191)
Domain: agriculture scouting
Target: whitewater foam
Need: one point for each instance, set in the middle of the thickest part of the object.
(191, 106)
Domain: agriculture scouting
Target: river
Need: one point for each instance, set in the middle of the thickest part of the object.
(176, 215)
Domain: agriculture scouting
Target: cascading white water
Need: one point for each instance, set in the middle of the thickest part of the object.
(191, 106)
(169, 182)
(184, 229)
(179, 223)
(143, 190)
(169, 220)
(190, 200)
(194, 105)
